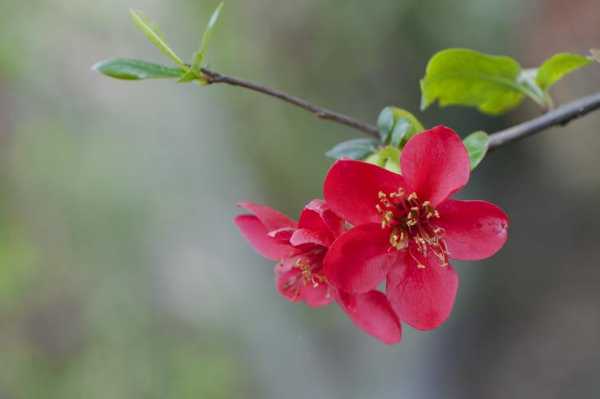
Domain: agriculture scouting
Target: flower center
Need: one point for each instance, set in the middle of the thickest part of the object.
(309, 276)
(412, 226)
(309, 266)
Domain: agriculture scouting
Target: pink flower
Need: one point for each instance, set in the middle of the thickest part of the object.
(406, 227)
(299, 249)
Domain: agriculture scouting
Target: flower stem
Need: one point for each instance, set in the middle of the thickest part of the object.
(560, 116)
(213, 77)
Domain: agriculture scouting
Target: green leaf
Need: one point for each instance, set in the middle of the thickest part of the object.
(467, 77)
(396, 126)
(154, 35)
(189, 76)
(385, 123)
(199, 55)
(387, 157)
(557, 67)
(128, 69)
(477, 145)
(401, 130)
(354, 149)
(527, 79)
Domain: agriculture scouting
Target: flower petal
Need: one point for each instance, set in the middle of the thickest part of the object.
(435, 164)
(317, 216)
(306, 236)
(272, 219)
(423, 298)
(257, 235)
(473, 229)
(359, 259)
(316, 295)
(287, 283)
(283, 234)
(291, 286)
(351, 189)
(372, 313)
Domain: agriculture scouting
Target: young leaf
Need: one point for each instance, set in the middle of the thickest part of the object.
(595, 54)
(401, 130)
(467, 77)
(153, 34)
(199, 55)
(397, 126)
(477, 145)
(387, 157)
(189, 76)
(415, 126)
(128, 69)
(557, 67)
(385, 123)
(527, 79)
(353, 149)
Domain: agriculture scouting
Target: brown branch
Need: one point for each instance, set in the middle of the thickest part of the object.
(560, 116)
(557, 117)
(213, 77)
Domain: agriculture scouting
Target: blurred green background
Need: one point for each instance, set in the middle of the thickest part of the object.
(123, 276)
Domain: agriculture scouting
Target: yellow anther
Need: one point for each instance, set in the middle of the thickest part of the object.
(398, 240)
(397, 194)
(410, 221)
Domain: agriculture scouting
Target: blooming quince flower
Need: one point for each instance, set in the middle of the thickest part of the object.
(406, 227)
(299, 249)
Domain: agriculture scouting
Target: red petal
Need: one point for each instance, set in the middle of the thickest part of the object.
(372, 313)
(288, 283)
(435, 164)
(256, 234)
(473, 229)
(317, 216)
(316, 295)
(306, 236)
(423, 298)
(272, 219)
(359, 259)
(291, 286)
(283, 234)
(351, 189)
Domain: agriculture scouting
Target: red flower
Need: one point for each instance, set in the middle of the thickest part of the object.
(406, 227)
(299, 249)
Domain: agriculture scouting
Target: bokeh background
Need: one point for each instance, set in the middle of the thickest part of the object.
(121, 272)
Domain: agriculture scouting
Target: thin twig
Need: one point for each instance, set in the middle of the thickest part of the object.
(557, 117)
(560, 116)
(213, 77)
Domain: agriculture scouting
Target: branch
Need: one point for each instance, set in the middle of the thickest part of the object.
(322, 113)
(558, 117)
(561, 116)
